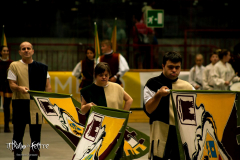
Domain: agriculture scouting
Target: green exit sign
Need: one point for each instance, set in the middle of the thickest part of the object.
(155, 18)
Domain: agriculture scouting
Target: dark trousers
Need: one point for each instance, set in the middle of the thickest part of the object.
(6, 109)
(35, 135)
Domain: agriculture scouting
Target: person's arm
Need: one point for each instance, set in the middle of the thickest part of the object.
(218, 79)
(123, 66)
(205, 78)
(128, 101)
(85, 107)
(153, 102)
(48, 87)
(77, 70)
(191, 78)
(15, 88)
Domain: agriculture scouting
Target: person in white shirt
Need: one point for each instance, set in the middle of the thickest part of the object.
(207, 80)
(195, 75)
(223, 74)
(116, 61)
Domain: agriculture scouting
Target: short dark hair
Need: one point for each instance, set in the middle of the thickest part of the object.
(223, 52)
(101, 68)
(217, 51)
(173, 57)
(107, 42)
(91, 49)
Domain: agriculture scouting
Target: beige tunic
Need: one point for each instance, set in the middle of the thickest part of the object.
(21, 71)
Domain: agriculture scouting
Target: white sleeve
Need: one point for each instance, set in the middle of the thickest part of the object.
(123, 66)
(77, 70)
(11, 75)
(216, 75)
(48, 76)
(191, 76)
(147, 94)
(98, 60)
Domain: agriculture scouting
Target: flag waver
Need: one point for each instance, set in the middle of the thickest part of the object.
(96, 42)
(3, 39)
(97, 137)
(114, 36)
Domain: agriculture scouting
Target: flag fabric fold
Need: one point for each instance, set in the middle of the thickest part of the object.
(95, 137)
(206, 124)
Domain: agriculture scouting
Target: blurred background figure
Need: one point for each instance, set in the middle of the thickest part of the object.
(196, 72)
(207, 80)
(84, 69)
(5, 90)
(223, 74)
(117, 63)
(141, 42)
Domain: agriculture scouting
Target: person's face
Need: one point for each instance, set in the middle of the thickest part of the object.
(227, 57)
(199, 61)
(171, 70)
(105, 48)
(90, 54)
(26, 50)
(5, 52)
(102, 78)
(214, 58)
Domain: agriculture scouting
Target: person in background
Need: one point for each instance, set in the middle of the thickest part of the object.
(105, 93)
(157, 106)
(84, 69)
(196, 72)
(207, 80)
(141, 42)
(223, 74)
(117, 63)
(5, 90)
(23, 75)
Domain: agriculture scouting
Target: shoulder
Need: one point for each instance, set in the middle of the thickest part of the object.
(192, 69)
(115, 85)
(154, 83)
(39, 63)
(87, 88)
(15, 63)
(184, 84)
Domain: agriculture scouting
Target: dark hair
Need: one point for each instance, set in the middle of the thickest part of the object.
(1, 48)
(107, 42)
(173, 57)
(101, 68)
(217, 51)
(223, 52)
(91, 49)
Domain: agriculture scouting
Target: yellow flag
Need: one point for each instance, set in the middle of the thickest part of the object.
(96, 43)
(114, 36)
(3, 39)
